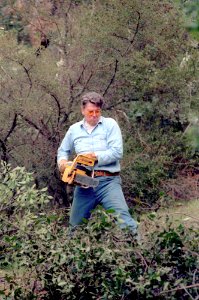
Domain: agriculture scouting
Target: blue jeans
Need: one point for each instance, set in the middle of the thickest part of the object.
(108, 194)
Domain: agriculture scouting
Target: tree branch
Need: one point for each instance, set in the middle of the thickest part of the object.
(4, 150)
(3, 142)
(56, 101)
(112, 78)
(85, 85)
(180, 288)
(120, 101)
(28, 75)
(135, 33)
(32, 124)
(14, 124)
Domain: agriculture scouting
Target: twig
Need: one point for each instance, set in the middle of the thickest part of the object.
(143, 259)
(55, 98)
(178, 213)
(192, 252)
(135, 33)
(122, 100)
(189, 294)
(194, 280)
(180, 288)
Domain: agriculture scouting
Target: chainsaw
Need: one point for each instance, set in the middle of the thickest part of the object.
(80, 172)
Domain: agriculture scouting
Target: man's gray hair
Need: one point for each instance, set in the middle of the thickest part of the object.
(93, 98)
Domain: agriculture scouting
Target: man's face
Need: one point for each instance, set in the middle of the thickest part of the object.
(91, 113)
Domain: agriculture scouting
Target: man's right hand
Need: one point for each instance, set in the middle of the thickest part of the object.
(62, 165)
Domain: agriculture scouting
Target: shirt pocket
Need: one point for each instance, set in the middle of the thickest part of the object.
(99, 142)
(82, 145)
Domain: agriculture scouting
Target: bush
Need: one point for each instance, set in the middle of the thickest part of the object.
(150, 162)
(42, 259)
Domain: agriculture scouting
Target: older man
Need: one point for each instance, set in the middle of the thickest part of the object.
(101, 138)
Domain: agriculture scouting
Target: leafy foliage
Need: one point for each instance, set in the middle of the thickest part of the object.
(43, 259)
(145, 67)
(192, 11)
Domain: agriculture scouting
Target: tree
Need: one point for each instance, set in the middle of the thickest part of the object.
(112, 48)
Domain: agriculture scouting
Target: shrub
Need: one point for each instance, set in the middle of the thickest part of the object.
(43, 259)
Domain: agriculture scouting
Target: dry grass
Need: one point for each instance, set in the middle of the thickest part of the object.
(186, 213)
(182, 210)
(184, 187)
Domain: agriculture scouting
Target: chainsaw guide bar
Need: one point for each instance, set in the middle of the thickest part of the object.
(86, 181)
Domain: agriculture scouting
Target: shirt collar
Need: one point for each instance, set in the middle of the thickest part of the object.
(100, 121)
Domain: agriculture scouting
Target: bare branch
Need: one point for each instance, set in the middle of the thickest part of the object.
(6, 72)
(135, 33)
(66, 26)
(56, 101)
(31, 123)
(112, 78)
(120, 37)
(179, 213)
(81, 74)
(189, 294)
(120, 101)
(180, 288)
(30, 81)
(85, 85)
(14, 124)
(3, 142)
(4, 150)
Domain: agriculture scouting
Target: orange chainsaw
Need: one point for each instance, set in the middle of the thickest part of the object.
(80, 172)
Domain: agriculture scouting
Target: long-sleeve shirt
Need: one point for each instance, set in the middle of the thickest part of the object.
(105, 141)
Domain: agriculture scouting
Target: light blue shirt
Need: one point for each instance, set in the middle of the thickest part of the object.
(105, 141)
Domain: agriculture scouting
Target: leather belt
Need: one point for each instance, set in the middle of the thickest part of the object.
(105, 173)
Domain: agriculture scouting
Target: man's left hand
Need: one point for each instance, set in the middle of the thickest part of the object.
(91, 155)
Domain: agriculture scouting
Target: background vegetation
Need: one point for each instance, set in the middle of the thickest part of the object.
(147, 69)
(42, 259)
(143, 57)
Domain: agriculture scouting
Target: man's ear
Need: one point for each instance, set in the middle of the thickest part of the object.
(82, 110)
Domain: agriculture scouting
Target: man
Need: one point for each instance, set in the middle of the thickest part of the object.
(101, 138)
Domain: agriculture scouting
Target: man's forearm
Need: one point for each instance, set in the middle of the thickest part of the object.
(109, 156)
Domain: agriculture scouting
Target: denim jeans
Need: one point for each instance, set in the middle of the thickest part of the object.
(108, 194)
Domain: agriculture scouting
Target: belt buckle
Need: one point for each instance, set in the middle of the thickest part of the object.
(96, 173)
(100, 173)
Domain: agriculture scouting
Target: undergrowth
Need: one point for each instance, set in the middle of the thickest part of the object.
(43, 259)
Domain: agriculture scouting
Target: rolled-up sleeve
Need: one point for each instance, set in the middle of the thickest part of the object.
(66, 147)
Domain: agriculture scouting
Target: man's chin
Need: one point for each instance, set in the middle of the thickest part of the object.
(93, 123)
